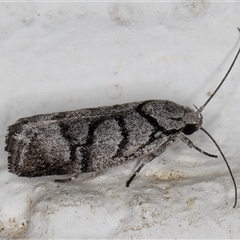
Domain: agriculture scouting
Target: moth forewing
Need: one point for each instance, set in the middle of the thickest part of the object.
(93, 140)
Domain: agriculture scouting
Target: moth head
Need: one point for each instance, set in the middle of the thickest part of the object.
(193, 121)
(171, 116)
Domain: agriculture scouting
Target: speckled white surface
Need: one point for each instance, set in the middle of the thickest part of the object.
(65, 56)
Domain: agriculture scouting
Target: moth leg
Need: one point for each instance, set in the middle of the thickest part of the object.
(191, 145)
(147, 159)
(135, 173)
(150, 156)
(67, 179)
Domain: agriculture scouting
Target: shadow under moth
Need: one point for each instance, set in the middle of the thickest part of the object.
(94, 139)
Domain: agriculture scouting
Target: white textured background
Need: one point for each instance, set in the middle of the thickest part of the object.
(65, 56)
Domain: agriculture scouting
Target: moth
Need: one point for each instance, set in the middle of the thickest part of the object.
(94, 139)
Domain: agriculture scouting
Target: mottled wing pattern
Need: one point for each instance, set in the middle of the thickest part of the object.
(85, 140)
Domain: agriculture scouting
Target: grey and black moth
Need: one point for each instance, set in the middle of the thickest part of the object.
(94, 139)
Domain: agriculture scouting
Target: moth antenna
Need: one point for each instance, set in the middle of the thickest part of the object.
(229, 169)
(223, 80)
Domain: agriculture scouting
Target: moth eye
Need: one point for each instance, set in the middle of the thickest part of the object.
(190, 129)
